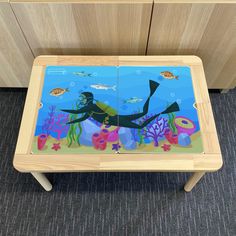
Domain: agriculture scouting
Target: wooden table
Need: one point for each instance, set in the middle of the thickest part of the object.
(208, 160)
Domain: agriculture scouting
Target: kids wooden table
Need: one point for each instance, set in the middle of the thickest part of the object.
(117, 113)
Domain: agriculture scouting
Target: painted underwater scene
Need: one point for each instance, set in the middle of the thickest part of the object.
(108, 109)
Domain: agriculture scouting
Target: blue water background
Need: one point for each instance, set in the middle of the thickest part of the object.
(130, 81)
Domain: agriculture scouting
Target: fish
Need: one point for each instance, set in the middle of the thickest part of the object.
(82, 74)
(133, 100)
(168, 75)
(58, 91)
(103, 86)
(195, 105)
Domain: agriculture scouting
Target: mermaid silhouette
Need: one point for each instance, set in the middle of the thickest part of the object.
(107, 115)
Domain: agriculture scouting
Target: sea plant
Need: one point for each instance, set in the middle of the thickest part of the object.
(156, 129)
(49, 121)
(75, 130)
(59, 125)
(171, 121)
(138, 132)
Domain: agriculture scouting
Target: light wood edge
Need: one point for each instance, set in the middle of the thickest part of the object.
(30, 111)
(76, 60)
(179, 60)
(121, 1)
(23, 163)
(195, 1)
(118, 162)
(85, 1)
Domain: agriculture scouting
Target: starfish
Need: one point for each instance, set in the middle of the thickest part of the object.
(116, 146)
(56, 146)
(166, 147)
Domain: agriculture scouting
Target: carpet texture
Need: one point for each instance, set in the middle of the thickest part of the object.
(117, 204)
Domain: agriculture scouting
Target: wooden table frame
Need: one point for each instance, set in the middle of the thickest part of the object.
(199, 163)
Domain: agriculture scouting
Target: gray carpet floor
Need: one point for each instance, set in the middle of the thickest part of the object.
(117, 203)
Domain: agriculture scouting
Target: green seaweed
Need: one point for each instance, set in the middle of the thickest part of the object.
(75, 130)
(141, 138)
(171, 123)
(139, 132)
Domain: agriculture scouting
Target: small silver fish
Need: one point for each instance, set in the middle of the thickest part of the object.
(133, 100)
(103, 86)
(82, 74)
(58, 91)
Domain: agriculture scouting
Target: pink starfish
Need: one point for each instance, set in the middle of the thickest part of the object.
(166, 147)
(56, 146)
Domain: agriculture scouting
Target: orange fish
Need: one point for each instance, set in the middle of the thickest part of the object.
(169, 75)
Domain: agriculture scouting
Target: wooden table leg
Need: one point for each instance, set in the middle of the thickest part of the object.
(42, 179)
(193, 180)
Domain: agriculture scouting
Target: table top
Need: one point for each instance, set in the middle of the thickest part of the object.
(81, 111)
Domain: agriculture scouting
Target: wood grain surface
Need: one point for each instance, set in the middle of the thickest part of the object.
(210, 160)
(205, 30)
(16, 58)
(79, 28)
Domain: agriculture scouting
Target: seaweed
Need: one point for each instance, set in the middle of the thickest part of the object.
(171, 123)
(75, 130)
(138, 132)
(171, 118)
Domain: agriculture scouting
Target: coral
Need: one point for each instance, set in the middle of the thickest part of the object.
(49, 122)
(172, 138)
(55, 122)
(112, 132)
(184, 125)
(155, 129)
(42, 138)
(59, 125)
(99, 142)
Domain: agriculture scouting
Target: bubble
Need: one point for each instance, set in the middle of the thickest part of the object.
(61, 97)
(72, 84)
(138, 72)
(179, 101)
(172, 94)
(106, 102)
